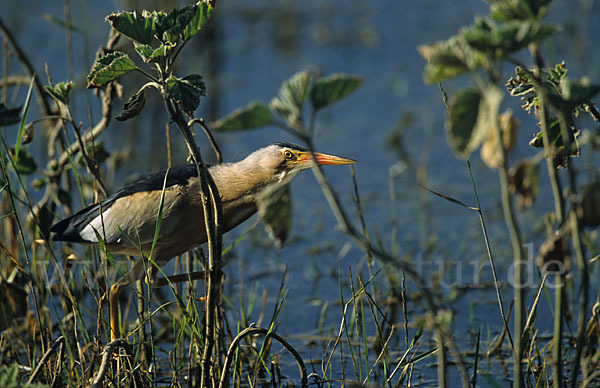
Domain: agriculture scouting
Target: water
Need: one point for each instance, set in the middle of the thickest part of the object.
(262, 43)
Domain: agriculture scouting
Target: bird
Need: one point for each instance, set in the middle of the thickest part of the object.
(126, 220)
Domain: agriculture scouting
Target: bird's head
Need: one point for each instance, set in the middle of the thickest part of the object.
(285, 159)
(277, 163)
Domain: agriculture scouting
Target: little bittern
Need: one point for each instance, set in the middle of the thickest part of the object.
(130, 214)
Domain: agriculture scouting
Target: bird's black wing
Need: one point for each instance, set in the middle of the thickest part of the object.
(69, 228)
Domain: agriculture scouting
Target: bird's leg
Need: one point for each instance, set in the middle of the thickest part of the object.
(113, 300)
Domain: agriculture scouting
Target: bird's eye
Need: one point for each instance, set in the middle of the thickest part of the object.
(288, 155)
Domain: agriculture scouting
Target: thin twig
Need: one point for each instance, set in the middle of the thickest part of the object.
(268, 334)
(208, 133)
(58, 343)
(20, 54)
(109, 349)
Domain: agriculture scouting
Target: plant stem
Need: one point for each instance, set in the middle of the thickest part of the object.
(558, 211)
(211, 205)
(515, 237)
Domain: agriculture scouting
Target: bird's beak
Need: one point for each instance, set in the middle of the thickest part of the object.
(325, 159)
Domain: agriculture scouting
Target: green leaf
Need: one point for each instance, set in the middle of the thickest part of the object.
(255, 115)
(202, 12)
(501, 39)
(133, 25)
(133, 106)
(170, 26)
(327, 90)
(61, 91)
(144, 50)
(9, 116)
(187, 91)
(150, 54)
(508, 10)
(24, 114)
(292, 94)
(450, 58)
(24, 163)
(462, 116)
(471, 115)
(109, 68)
(275, 210)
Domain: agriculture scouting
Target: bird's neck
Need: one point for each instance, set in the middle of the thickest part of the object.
(239, 183)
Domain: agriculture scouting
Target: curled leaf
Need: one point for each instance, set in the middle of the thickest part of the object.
(133, 106)
(554, 254)
(275, 210)
(524, 181)
(490, 153)
(9, 116)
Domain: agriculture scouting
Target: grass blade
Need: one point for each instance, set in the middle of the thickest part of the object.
(24, 113)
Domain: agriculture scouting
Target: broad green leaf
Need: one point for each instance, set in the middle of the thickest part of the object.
(471, 116)
(202, 13)
(275, 210)
(255, 115)
(9, 116)
(133, 106)
(327, 90)
(24, 114)
(24, 163)
(109, 68)
(500, 39)
(449, 58)
(187, 91)
(133, 25)
(61, 91)
(462, 116)
(290, 101)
